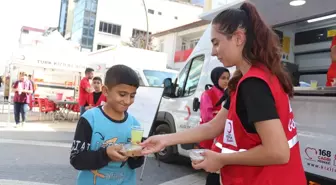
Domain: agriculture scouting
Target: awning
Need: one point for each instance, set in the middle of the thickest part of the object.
(279, 12)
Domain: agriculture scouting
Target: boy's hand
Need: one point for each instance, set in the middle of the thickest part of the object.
(114, 153)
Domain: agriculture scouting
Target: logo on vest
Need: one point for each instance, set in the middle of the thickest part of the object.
(229, 136)
(291, 125)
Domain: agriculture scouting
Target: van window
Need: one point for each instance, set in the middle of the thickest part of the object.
(180, 81)
(141, 83)
(155, 78)
(193, 76)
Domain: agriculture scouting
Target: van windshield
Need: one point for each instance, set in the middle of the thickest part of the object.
(155, 77)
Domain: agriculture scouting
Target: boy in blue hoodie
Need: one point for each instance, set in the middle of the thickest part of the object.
(101, 130)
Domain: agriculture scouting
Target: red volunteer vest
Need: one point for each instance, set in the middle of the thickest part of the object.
(207, 144)
(237, 139)
(101, 99)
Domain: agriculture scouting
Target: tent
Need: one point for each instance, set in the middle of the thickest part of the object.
(49, 54)
(52, 52)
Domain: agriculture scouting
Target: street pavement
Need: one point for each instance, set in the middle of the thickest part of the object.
(38, 157)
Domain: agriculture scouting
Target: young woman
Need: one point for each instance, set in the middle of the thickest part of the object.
(260, 138)
(211, 101)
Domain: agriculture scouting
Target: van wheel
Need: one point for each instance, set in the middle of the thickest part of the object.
(166, 155)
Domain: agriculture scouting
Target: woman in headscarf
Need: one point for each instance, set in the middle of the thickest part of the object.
(211, 101)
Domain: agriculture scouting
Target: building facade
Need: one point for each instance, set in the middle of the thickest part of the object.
(66, 17)
(120, 21)
(29, 36)
(179, 42)
(83, 26)
(63, 17)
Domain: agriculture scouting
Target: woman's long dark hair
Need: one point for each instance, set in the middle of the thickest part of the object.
(262, 44)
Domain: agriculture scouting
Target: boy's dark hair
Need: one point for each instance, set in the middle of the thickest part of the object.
(121, 74)
(97, 78)
(88, 70)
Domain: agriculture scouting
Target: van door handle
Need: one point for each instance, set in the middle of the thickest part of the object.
(189, 113)
(196, 104)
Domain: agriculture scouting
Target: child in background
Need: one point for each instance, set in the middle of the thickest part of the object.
(97, 97)
(96, 150)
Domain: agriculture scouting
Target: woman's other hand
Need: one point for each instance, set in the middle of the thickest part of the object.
(154, 144)
(212, 162)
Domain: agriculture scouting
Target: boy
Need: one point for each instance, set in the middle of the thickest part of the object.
(97, 97)
(94, 152)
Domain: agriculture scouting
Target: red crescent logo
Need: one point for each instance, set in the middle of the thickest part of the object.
(189, 112)
(230, 127)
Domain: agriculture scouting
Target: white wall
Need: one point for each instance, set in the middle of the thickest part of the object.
(131, 14)
(169, 44)
(172, 42)
(28, 38)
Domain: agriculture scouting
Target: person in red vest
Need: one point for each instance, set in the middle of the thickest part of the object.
(96, 98)
(211, 101)
(85, 90)
(331, 75)
(260, 143)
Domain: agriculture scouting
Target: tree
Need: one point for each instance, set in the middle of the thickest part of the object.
(140, 42)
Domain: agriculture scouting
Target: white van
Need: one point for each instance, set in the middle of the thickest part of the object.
(179, 107)
(178, 110)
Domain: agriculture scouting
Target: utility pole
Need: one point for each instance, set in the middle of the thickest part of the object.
(147, 34)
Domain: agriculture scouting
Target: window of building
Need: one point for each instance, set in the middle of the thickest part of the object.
(184, 46)
(193, 43)
(101, 46)
(86, 22)
(161, 45)
(150, 11)
(85, 31)
(84, 41)
(90, 41)
(109, 28)
(91, 31)
(87, 14)
(25, 31)
(160, 13)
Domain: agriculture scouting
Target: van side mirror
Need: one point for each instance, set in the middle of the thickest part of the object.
(196, 104)
(168, 87)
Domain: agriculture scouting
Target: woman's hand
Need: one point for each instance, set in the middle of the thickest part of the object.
(212, 162)
(154, 144)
